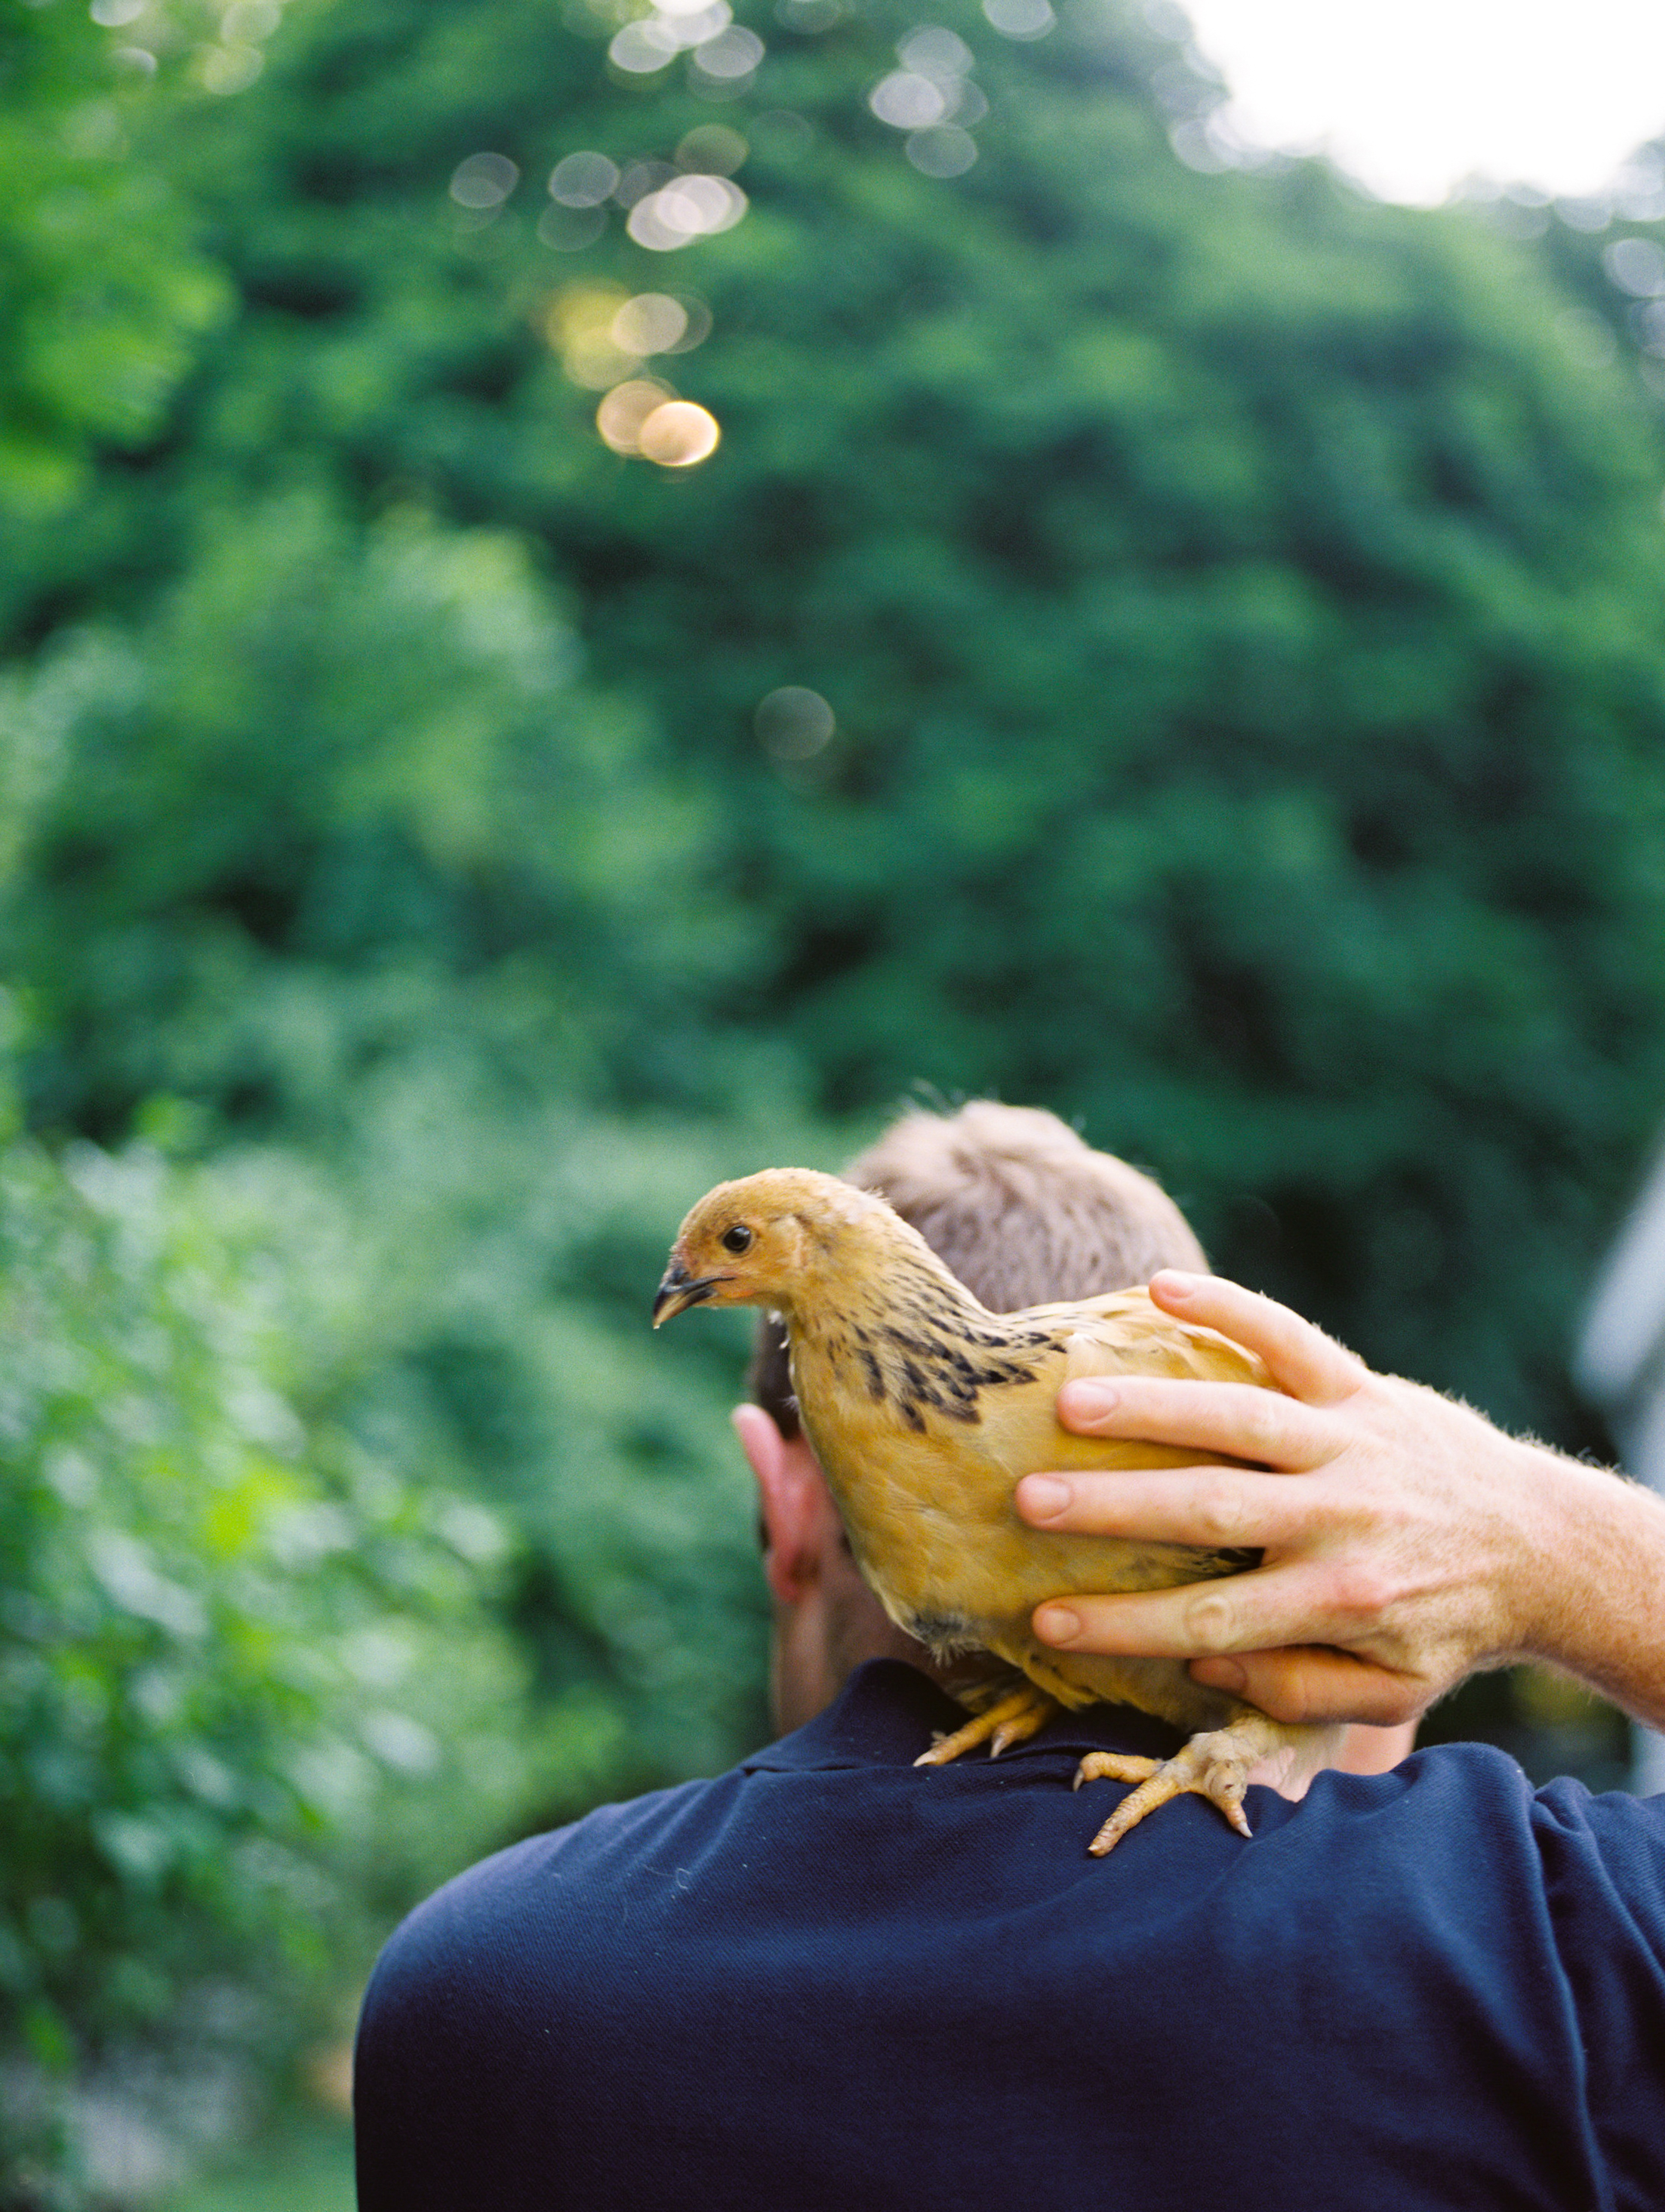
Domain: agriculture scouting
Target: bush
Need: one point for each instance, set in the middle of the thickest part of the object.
(211, 1605)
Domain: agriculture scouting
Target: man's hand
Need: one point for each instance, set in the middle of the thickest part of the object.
(1406, 1542)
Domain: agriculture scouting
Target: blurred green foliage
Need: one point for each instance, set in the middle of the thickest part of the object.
(304, 2169)
(1240, 605)
(225, 1635)
(106, 286)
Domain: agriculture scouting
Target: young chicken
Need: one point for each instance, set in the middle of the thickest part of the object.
(925, 1409)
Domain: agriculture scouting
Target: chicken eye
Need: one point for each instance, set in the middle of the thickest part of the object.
(737, 1239)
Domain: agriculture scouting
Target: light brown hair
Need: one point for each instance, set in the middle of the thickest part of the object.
(1018, 1205)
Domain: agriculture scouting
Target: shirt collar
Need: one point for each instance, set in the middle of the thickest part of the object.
(887, 1711)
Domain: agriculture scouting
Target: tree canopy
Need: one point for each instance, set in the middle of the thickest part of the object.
(1238, 604)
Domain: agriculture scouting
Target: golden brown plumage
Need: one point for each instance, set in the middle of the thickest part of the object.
(924, 1410)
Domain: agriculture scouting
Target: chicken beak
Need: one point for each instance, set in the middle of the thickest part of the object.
(677, 1291)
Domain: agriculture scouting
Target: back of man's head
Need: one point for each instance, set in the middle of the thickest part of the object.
(1019, 1207)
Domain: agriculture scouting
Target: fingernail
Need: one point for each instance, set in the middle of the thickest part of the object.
(1056, 1624)
(1043, 1497)
(1177, 1284)
(1219, 1673)
(1092, 1400)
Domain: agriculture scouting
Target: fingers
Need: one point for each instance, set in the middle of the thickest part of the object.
(1204, 1505)
(1315, 1683)
(1234, 1419)
(1302, 1360)
(1299, 1602)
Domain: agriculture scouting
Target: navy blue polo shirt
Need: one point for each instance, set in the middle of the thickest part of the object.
(827, 1979)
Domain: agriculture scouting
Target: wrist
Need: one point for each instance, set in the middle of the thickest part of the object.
(1595, 1603)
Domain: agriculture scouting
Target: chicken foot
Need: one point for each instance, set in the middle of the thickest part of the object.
(1008, 1721)
(1214, 1765)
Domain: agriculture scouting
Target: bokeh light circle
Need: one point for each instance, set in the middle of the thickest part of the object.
(245, 23)
(733, 53)
(712, 149)
(583, 180)
(907, 101)
(946, 151)
(794, 723)
(678, 434)
(483, 180)
(621, 413)
(653, 322)
(686, 208)
(1636, 266)
(934, 52)
(578, 323)
(640, 48)
(226, 69)
(699, 324)
(1025, 19)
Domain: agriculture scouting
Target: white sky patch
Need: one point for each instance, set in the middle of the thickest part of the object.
(1411, 96)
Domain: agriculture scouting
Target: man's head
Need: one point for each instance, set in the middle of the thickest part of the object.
(1023, 1212)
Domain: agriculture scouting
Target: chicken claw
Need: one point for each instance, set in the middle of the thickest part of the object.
(1214, 1765)
(1008, 1721)
(1021, 1725)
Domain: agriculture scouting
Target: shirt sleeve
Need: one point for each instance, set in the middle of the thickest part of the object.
(1604, 1879)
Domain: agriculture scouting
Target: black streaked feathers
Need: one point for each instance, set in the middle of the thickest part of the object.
(931, 1362)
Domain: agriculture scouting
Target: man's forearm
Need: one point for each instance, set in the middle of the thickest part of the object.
(1599, 1608)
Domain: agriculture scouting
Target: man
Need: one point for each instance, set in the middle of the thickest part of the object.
(828, 1979)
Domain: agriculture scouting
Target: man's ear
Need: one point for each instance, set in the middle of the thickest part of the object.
(792, 1493)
